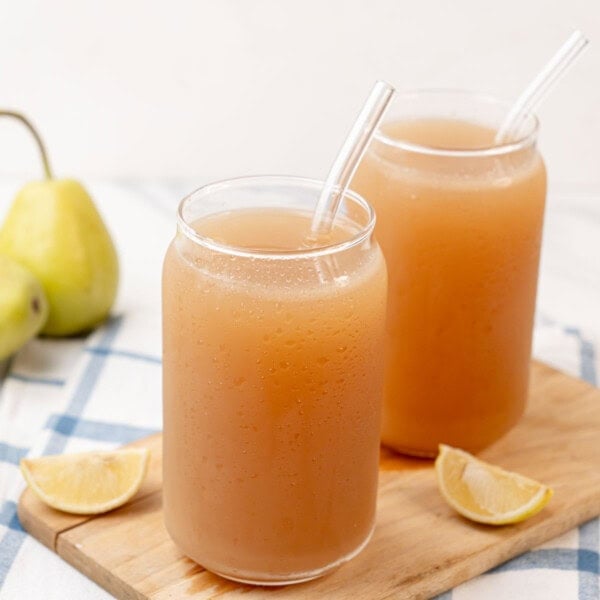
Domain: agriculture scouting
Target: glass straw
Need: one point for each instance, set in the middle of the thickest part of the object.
(537, 89)
(349, 156)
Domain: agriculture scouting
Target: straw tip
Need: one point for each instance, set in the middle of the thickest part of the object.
(578, 33)
(382, 83)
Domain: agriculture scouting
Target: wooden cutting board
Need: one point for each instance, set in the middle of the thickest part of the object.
(420, 546)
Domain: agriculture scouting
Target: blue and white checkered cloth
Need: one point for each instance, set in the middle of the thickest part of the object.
(105, 390)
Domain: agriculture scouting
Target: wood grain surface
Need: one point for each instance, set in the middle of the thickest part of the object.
(420, 546)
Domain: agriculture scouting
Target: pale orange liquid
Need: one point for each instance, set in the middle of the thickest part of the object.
(461, 239)
(272, 399)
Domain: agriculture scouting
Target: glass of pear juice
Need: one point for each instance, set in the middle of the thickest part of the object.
(460, 224)
(273, 380)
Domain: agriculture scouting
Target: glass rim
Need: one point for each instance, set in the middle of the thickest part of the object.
(273, 254)
(501, 149)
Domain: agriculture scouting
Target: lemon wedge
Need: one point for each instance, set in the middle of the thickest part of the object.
(486, 493)
(88, 483)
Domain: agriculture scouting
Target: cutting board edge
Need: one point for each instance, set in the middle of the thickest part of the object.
(96, 573)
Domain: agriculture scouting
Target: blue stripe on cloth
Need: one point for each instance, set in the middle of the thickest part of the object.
(57, 442)
(35, 379)
(588, 362)
(67, 425)
(588, 561)
(11, 543)
(124, 353)
(587, 356)
(8, 515)
(563, 559)
(11, 454)
(11, 540)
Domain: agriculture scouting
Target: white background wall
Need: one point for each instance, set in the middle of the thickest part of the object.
(214, 88)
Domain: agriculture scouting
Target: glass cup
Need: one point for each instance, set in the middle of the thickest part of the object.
(459, 220)
(273, 380)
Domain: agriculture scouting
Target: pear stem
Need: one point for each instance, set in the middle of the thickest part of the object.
(36, 135)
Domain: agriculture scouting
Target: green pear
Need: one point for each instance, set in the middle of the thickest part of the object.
(23, 306)
(54, 229)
